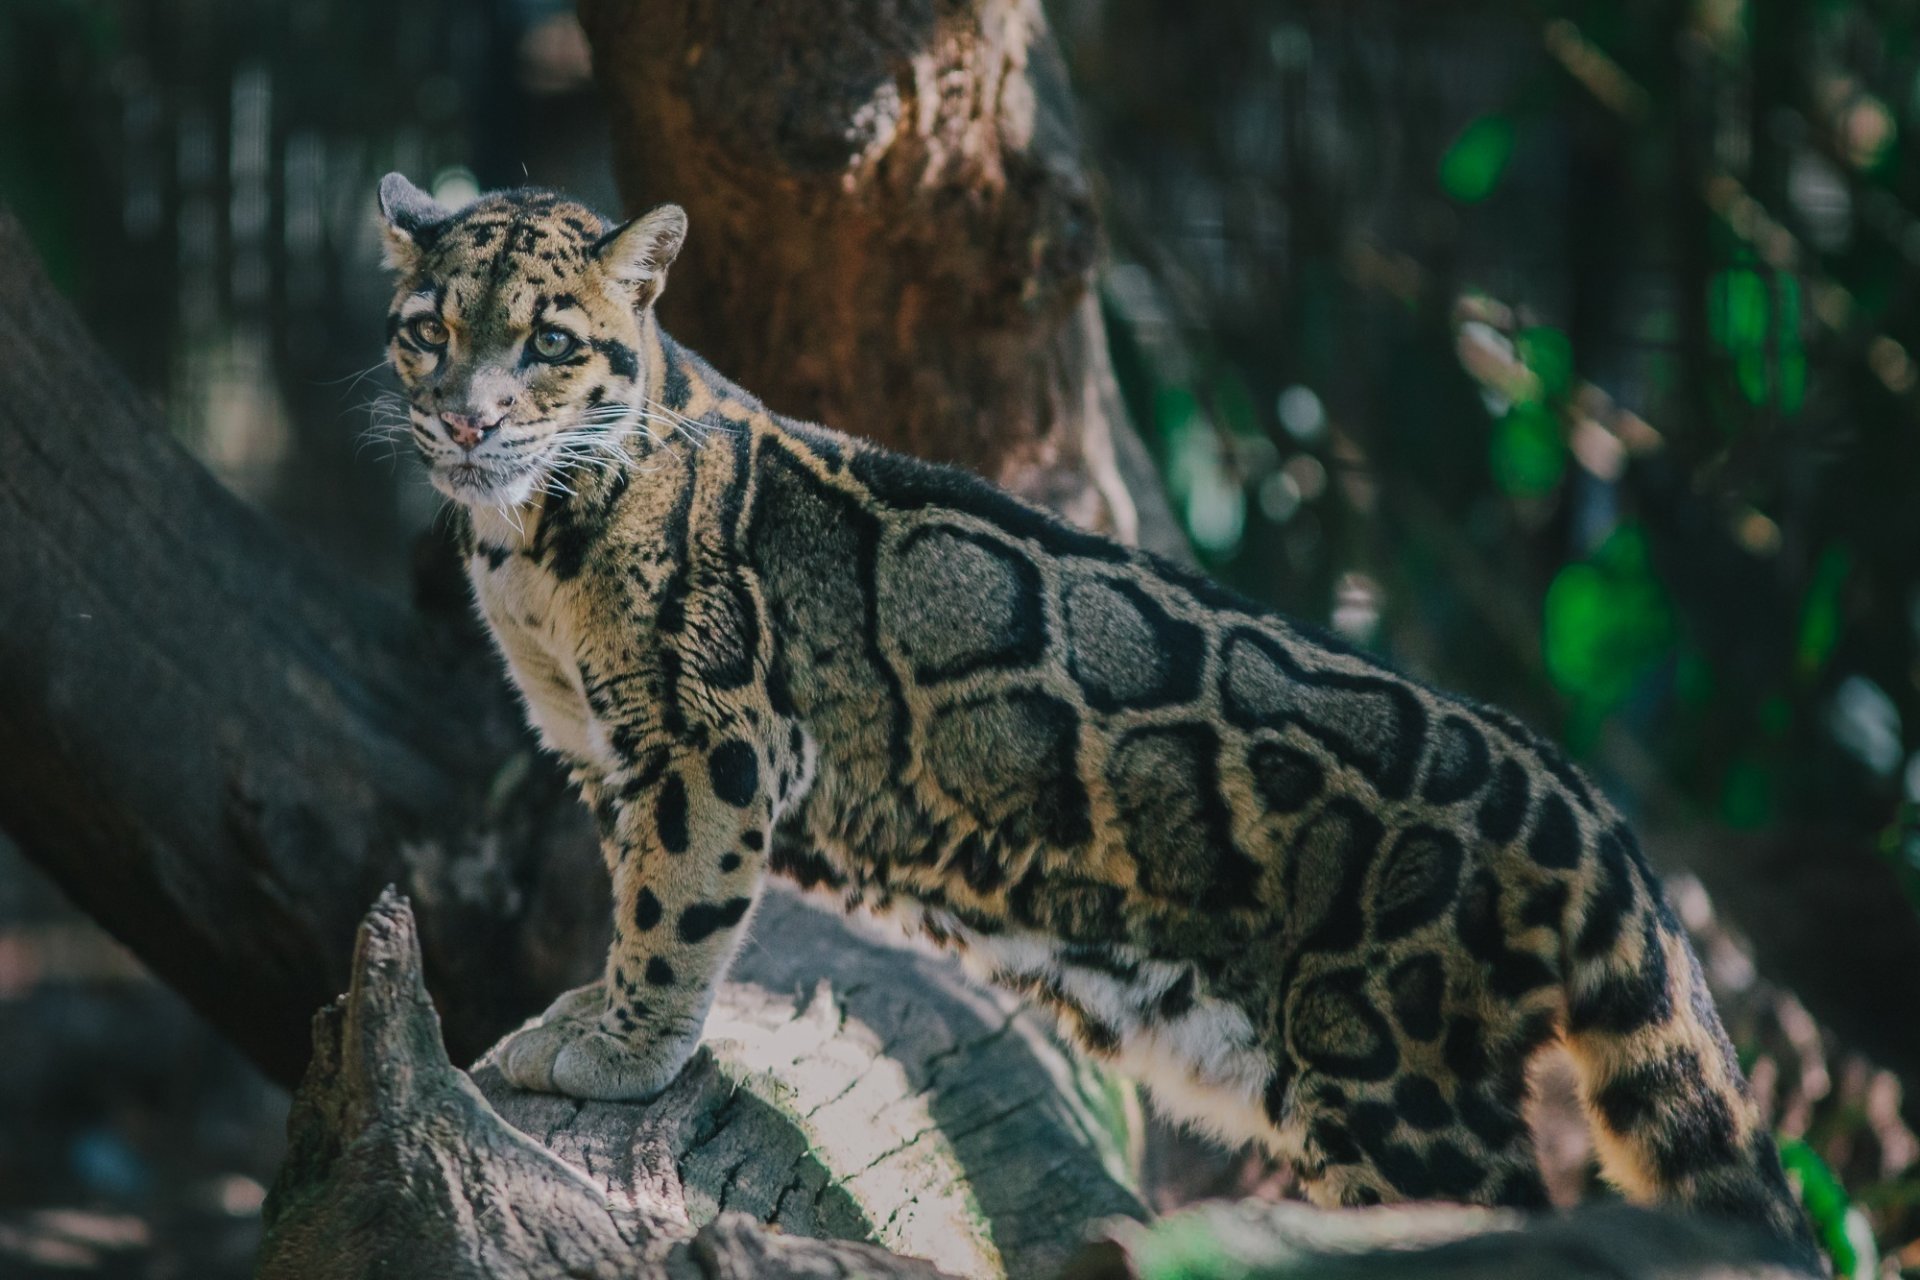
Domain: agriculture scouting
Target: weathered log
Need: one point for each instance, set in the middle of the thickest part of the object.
(1255, 1241)
(221, 748)
(893, 230)
(851, 1093)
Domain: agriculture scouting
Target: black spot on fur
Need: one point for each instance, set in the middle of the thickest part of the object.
(1555, 842)
(1286, 777)
(729, 862)
(1511, 972)
(734, 772)
(1494, 1122)
(1504, 807)
(1335, 1143)
(1620, 1003)
(659, 972)
(803, 866)
(1071, 908)
(1165, 782)
(1405, 1171)
(675, 390)
(1456, 1175)
(1460, 762)
(1372, 1125)
(979, 866)
(702, 919)
(1609, 903)
(754, 841)
(565, 536)
(646, 910)
(1418, 989)
(1334, 1029)
(1546, 906)
(1421, 1104)
(1465, 1052)
(1669, 1103)
(1418, 878)
(670, 814)
(1177, 1000)
(1273, 1098)
(1326, 871)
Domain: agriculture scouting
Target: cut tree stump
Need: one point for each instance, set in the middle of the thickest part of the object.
(857, 1109)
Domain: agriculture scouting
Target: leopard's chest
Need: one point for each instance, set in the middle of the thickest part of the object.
(533, 625)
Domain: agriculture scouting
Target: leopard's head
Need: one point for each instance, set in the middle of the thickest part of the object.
(516, 329)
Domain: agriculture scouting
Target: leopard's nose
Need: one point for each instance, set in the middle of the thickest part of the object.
(468, 430)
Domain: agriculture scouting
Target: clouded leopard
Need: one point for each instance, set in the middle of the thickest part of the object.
(1304, 899)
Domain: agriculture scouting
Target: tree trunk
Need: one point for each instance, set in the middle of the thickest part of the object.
(848, 1092)
(892, 230)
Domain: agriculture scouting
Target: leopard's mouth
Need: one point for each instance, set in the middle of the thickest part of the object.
(484, 482)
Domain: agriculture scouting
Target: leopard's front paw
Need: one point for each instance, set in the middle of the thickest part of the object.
(526, 1057)
(608, 1067)
(568, 1050)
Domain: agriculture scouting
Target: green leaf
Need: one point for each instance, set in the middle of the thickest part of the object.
(1738, 309)
(1549, 353)
(1608, 623)
(1840, 1228)
(1527, 453)
(1755, 320)
(1820, 611)
(1473, 165)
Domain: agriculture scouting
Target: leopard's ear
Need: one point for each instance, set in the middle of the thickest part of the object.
(637, 254)
(410, 219)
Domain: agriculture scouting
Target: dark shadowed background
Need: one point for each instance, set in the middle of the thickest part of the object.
(1562, 352)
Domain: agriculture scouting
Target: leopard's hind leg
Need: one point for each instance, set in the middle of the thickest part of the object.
(1421, 1132)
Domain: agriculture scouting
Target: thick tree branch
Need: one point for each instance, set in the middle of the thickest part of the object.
(221, 750)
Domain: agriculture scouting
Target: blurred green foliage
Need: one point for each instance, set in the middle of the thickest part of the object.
(1608, 627)
(1470, 169)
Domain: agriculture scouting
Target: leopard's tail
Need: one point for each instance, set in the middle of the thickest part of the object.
(1672, 1118)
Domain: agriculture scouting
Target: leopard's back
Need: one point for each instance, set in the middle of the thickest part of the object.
(1302, 896)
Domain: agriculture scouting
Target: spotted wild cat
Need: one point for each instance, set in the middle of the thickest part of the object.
(1304, 899)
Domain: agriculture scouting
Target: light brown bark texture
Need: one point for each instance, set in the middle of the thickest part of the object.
(891, 229)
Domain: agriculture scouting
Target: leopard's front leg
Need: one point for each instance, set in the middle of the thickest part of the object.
(686, 842)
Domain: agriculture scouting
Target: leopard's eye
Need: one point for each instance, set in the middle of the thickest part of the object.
(554, 344)
(428, 332)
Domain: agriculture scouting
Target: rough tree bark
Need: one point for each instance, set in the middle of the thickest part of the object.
(221, 749)
(833, 1100)
(892, 230)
